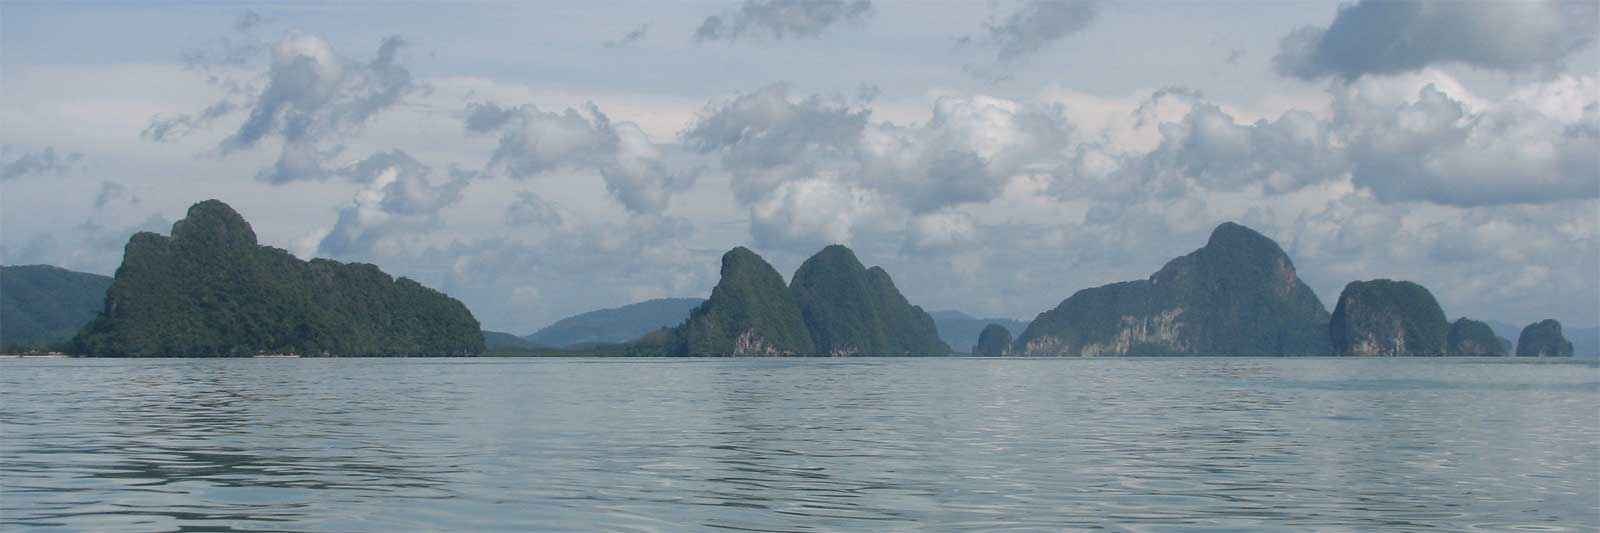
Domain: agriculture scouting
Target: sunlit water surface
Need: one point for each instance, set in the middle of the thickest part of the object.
(798, 444)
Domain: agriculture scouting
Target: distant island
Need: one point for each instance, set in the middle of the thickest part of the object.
(210, 290)
(833, 306)
(1237, 295)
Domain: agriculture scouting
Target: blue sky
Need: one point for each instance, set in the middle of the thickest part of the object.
(538, 160)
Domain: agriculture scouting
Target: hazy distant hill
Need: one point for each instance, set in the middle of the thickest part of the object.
(620, 324)
(44, 304)
(1585, 341)
(498, 340)
(961, 330)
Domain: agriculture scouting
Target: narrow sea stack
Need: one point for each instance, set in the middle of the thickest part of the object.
(1387, 317)
(994, 341)
(853, 310)
(1469, 337)
(210, 290)
(1543, 339)
(1238, 295)
(750, 312)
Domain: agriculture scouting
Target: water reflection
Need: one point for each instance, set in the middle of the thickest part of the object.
(797, 445)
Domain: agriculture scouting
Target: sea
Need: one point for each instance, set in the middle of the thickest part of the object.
(751, 444)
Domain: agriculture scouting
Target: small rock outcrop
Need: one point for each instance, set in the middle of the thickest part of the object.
(994, 341)
(1543, 339)
(1387, 317)
(1469, 337)
(750, 312)
(1237, 295)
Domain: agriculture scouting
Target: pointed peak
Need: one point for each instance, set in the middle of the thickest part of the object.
(835, 249)
(741, 257)
(835, 252)
(215, 223)
(1232, 232)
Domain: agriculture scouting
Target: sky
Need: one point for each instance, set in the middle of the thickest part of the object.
(538, 160)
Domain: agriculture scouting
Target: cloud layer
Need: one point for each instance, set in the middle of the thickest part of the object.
(309, 100)
(781, 19)
(1387, 37)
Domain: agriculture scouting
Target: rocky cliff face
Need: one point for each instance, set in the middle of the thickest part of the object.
(1387, 317)
(994, 341)
(1543, 339)
(750, 312)
(1239, 295)
(853, 310)
(210, 290)
(1469, 337)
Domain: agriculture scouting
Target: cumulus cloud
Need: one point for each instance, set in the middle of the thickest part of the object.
(945, 231)
(631, 38)
(93, 245)
(781, 19)
(784, 153)
(529, 209)
(239, 49)
(766, 137)
(1213, 148)
(1388, 37)
(535, 142)
(399, 198)
(44, 162)
(550, 257)
(1407, 138)
(112, 192)
(809, 214)
(308, 99)
(1541, 147)
(1033, 27)
(965, 153)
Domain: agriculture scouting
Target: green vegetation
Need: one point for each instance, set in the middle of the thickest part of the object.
(210, 290)
(834, 306)
(1543, 339)
(616, 325)
(995, 340)
(1473, 338)
(852, 310)
(1237, 295)
(750, 312)
(1387, 317)
(42, 306)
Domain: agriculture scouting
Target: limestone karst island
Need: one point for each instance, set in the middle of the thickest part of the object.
(210, 290)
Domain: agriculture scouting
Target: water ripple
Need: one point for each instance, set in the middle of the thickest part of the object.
(799, 445)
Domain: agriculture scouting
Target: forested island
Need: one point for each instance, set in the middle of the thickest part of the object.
(209, 289)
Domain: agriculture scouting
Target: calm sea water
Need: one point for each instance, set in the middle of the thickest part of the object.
(798, 444)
